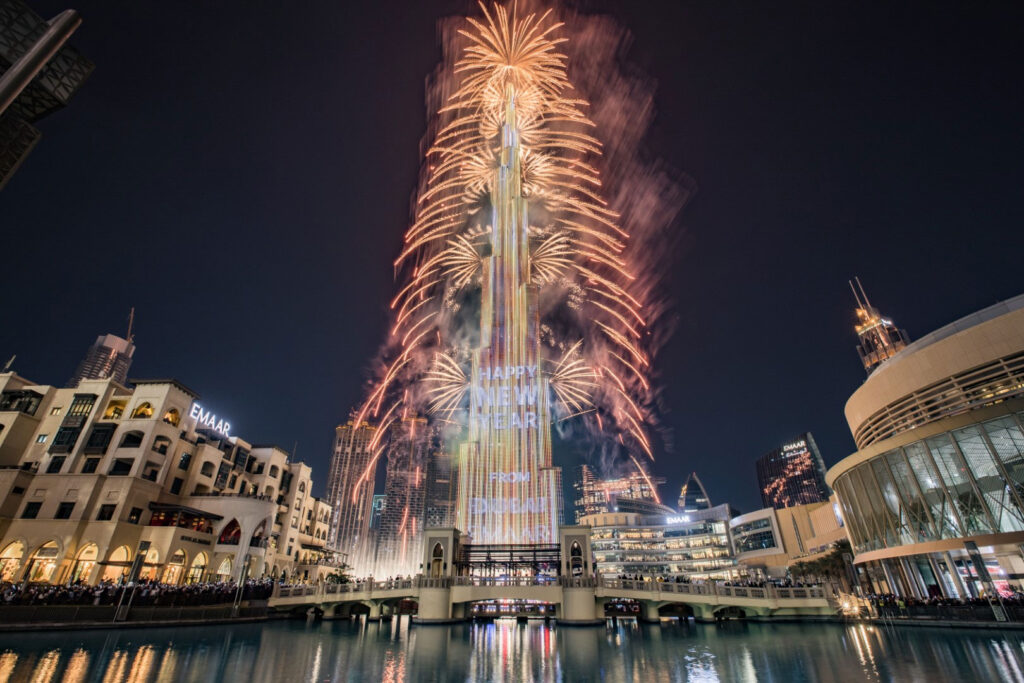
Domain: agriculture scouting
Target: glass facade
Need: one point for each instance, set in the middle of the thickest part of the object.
(699, 549)
(754, 535)
(964, 482)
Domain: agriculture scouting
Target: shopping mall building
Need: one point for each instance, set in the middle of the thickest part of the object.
(940, 460)
(693, 545)
(103, 480)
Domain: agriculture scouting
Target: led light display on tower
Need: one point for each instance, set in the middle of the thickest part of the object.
(517, 307)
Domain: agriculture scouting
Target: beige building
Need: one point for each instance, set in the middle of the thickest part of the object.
(771, 540)
(940, 432)
(93, 477)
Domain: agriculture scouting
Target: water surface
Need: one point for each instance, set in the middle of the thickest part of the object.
(507, 651)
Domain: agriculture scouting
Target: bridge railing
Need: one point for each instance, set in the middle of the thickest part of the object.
(755, 592)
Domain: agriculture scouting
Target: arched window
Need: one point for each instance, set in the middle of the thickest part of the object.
(43, 563)
(437, 560)
(231, 534)
(302, 487)
(224, 570)
(161, 444)
(114, 411)
(142, 411)
(269, 492)
(85, 561)
(575, 559)
(207, 469)
(175, 569)
(10, 560)
(172, 417)
(118, 564)
(150, 565)
(198, 568)
(132, 439)
(274, 471)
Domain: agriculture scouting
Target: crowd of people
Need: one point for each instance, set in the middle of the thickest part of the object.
(745, 583)
(890, 601)
(143, 593)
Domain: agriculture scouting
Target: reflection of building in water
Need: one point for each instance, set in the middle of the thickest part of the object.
(793, 474)
(939, 428)
(696, 546)
(632, 492)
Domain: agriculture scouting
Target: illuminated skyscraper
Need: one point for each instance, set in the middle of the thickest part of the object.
(409, 451)
(793, 474)
(693, 496)
(595, 495)
(108, 357)
(350, 482)
(880, 339)
(519, 305)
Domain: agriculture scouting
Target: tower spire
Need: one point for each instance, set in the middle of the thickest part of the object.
(879, 337)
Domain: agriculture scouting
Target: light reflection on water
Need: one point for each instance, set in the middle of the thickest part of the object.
(507, 651)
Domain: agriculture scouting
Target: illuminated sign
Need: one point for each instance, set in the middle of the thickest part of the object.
(795, 446)
(678, 519)
(506, 397)
(209, 420)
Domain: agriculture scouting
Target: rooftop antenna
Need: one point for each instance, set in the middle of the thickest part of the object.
(854, 290)
(8, 364)
(865, 294)
(131, 322)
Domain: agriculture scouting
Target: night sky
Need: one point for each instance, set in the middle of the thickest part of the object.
(240, 173)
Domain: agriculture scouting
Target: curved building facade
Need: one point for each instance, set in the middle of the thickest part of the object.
(940, 428)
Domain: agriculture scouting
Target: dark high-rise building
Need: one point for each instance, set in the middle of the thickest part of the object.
(108, 358)
(793, 474)
(440, 495)
(23, 32)
(595, 494)
(411, 445)
(880, 339)
(693, 497)
(350, 482)
(376, 510)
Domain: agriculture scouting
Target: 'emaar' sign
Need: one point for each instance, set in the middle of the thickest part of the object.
(209, 420)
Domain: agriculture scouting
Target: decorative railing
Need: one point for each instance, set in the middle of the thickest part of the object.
(768, 592)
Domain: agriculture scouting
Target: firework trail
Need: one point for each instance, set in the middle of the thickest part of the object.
(597, 224)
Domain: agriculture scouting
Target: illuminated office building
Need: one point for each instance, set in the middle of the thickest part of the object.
(409, 451)
(109, 356)
(634, 491)
(693, 496)
(669, 546)
(879, 337)
(793, 474)
(350, 481)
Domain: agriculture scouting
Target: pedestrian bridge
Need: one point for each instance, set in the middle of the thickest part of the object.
(576, 600)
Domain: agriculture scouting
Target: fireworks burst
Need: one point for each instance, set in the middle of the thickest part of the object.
(510, 64)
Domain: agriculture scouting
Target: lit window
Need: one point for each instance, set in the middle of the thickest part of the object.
(41, 438)
(55, 411)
